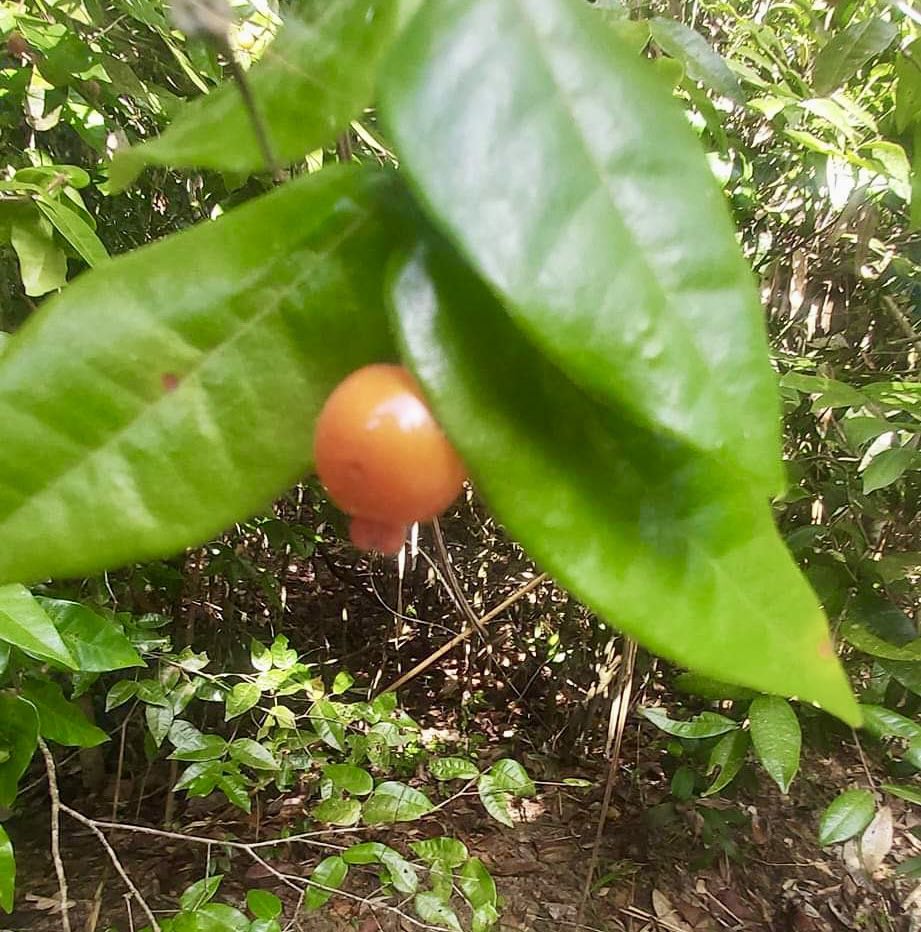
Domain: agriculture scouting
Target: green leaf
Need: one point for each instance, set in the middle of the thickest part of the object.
(910, 794)
(884, 723)
(159, 720)
(19, 736)
(283, 658)
(265, 925)
(192, 745)
(241, 699)
(777, 737)
(402, 873)
(263, 904)
(453, 768)
(702, 575)
(704, 725)
(219, 917)
(484, 918)
(327, 724)
(350, 778)
(449, 850)
(24, 624)
(7, 872)
(861, 637)
(236, 789)
(887, 467)
(200, 892)
(42, 265)
(253, 754)
(701, 62)
(120, 693)
(201, 778)
(74, 229)
(317, 75)
(337, 811)
(609, 243)
(326, 878)
(441, 881)
(260, 656)
(849, 50)
(908, 89)
(342, 683)
(846, 816)
(163, 353)
(708, 688)
(430, 909)
(395, 802)
(58, 719)
(508, 774)
(495, 800)
(97, 644)
(908, 673)
(477, 885)
(726, 760)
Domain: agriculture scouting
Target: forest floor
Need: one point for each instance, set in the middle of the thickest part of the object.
(746, 861)
(653, 877)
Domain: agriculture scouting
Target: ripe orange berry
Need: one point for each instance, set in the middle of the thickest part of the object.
(382, 456)
(367, 534)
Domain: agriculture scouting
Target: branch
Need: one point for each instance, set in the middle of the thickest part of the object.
(56, 833)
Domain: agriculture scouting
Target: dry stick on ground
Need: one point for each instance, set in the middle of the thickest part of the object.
(113, 857)
(465, 633)
(56, 833)
(619, 708)
(250, 848)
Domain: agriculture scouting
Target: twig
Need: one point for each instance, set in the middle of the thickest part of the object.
(465, 633)
(113, 857)
(618, 719)
(56, 833)
(903, 322)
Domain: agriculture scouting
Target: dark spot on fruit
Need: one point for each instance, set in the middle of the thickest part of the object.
(169, 381)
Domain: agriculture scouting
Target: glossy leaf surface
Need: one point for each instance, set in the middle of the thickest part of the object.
(777, 738)
(645, 533)
(701, 61)
(158, 420)
(313, 79)
(326, 878)
(59, 719)
(846, 816)
(849, 50)
(19, 736)
(24, 624)
(559, 163)
(7, 872)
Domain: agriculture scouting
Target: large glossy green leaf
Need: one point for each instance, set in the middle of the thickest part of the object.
(846, 816)
(887, 467)
(97, 644)
(908, 89)
(337, 811)
(352, 779)
(58, 719)
(861, 637)
(402, 873)
(7, 872)
(42, 264)
(179, 383)
(315, 77)
(477, 884)
(495, 800)
(704, 725)
(453, 768)
(643, 530)
(884, 723)
(701, 61)
(431, 910)
(18, 740)
(558, 161)
(849, 50)
(74, 229)
(326, 878)
(24, 623)
(450, 851)
(508, 774)
(777, 738)
(726, 759)
(395, 802)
